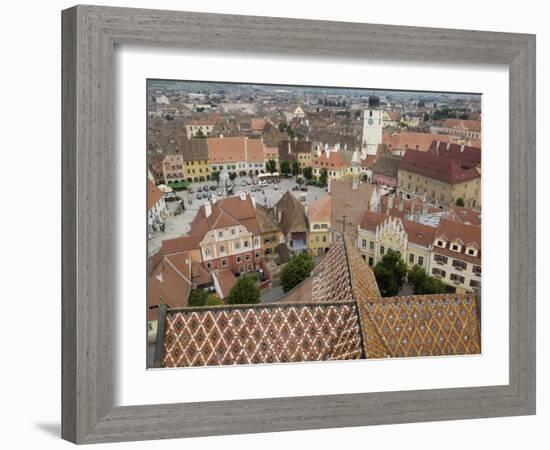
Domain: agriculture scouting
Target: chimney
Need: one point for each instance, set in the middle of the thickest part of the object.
(221, 136)
(279, 216)
(207, 209)
(242, 196)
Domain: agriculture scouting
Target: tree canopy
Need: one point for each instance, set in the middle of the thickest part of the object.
(424, 284)
(271, 166)
(297, 269)
(460, 202)
(285, 167)
(390, 273)
(323, 177)
(295, 168)
(244, 292)
(308, 173)
(197, 297)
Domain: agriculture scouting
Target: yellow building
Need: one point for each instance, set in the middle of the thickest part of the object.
(441, 179)
(195, 157)
(318, 215)
(270, 233)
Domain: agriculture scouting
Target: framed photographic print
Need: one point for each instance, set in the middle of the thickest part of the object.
(246, 200)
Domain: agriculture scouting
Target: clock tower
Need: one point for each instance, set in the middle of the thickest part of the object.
(372, 128)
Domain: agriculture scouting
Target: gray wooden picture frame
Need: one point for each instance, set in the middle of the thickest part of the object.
(90, 34)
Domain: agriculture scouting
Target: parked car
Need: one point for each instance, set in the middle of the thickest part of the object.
(169, 196)
(191, 191)
(249, 182)
(199, 189)
(199, 196)
(220, 193)
(303, 188)
(213, 188)
(275, 187)
(243, 183)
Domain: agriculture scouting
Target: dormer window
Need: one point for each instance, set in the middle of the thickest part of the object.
(440, 243)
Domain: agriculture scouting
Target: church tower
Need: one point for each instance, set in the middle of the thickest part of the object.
(372, 127)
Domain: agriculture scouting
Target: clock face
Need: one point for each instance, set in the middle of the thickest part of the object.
(371, 121)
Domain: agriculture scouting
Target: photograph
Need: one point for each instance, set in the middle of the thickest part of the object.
(308, 223)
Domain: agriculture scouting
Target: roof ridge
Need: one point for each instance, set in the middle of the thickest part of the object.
(360, 307)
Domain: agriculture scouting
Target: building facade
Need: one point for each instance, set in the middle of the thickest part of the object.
(440, 178)
(319, 235)
(456, 256)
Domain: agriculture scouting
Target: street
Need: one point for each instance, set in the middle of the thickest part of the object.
(178, 225)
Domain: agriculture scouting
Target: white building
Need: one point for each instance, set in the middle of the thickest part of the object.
(372, 130)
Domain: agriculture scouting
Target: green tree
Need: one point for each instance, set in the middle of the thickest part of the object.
(308, 173)
(424, 284)
(460, 202)
(213, 300)
(215, 176)
(295, 168)
(297, 269)
(290, 132)
(282, 126)
(285, 167)
(323, 177)
(232, 175)
(199, 134)
(390, 273)
(197, 297)
(244, 292)
(271, 166)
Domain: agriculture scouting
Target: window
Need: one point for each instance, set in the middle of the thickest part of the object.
(476, 284)
(371, 246)
(207, 252)
(241, 269)
(237, 245)
(208, 265)
(220, 234)
(246, 243)
(316, 227)
(477, 270)
(381, 249)
(411, 258)
(239, 259)
(440, 259)
(438, 272)
(454, 247)
(250, 268)
(291, 243)
(257, 254)
(460, 265)
(247, 256)
(364, 243)
(457, 278)
(233, 231)
(471, 251)
(222, 248)
(224, 262)
(420, 260)
(371, 261)
(440, 244)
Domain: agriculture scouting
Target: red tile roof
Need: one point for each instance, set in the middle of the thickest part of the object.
(320, 210)
(468, 156)
(154, 194)
(459, 124)
(438, 167)
(330, 160)
(413, 141)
